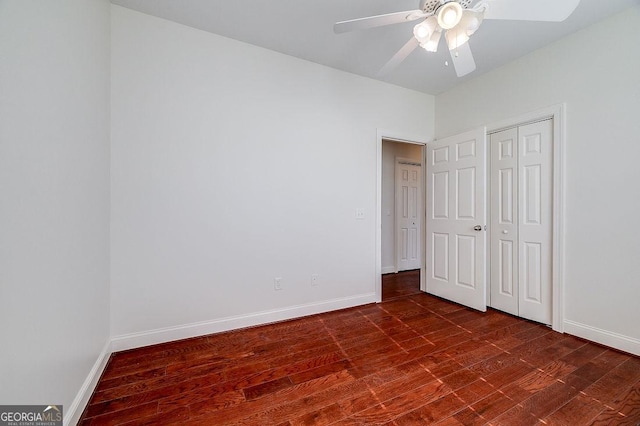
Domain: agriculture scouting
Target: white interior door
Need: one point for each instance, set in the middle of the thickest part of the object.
(521, 220)
(503, 228)
(408, 207)
(535, 227)
(456, 219)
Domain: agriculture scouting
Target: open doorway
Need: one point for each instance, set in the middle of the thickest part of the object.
(402, 217)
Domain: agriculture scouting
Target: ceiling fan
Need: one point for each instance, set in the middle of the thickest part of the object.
(458, 20)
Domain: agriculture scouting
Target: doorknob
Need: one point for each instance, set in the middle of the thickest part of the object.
(477, 228)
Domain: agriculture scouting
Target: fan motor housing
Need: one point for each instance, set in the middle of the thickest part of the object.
(430, 6)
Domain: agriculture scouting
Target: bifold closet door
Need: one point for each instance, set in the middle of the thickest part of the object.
(503, 224)
(521, 220)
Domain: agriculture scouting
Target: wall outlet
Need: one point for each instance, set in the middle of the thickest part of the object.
(277, 283)
(315, 279)
(359, 214)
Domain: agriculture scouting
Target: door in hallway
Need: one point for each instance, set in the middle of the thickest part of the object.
(408, 207)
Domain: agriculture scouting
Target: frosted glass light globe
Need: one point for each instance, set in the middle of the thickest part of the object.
(449, 15)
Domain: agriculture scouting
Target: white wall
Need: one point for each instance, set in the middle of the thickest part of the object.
(391, 150)
(597, 73)
(54, 208)
(232, 165)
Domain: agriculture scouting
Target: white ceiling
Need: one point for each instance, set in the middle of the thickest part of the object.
(304, 29)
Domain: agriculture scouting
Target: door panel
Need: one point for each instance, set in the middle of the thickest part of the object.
(535, 228)
(440, 264)
(506, 285)
(408, 207)
(441, 195)
(531, 197)
(503, 229)
(465, 259)
(456, 253)
(465, 193)
(531, 272)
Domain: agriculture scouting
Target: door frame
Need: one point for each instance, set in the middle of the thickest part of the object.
(394, 136)
(557, 113)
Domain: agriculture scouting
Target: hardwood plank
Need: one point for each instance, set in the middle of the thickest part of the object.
(176, 416)
(475, 391)
(258, 391)
(516, 416)
(492, 406)
(441, 408)
(628, 404)
(581, 410)
(547, 400)
(121, 416)
(321, 417)
(392, 408)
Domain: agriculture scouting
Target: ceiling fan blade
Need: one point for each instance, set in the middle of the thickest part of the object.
(462, 59)
(527, 10)
(400, 56)
(377, 21)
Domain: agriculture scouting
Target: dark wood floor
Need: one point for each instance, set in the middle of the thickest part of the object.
(414, 359)
(400, 285)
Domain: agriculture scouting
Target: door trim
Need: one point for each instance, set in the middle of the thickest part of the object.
(394, 136)
(557, 113)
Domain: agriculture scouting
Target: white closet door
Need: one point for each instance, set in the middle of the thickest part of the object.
(535, 220)
(456, 214)
(521, 179)
(504, 220)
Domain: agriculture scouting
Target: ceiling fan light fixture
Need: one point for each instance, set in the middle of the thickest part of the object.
(421, 32)
(456, 38)
(449, 15)
(471, 21)
(432, 44)
(425, 29)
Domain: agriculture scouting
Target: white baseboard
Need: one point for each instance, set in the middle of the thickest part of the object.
(604, 337)
(73, 413)
(389, 270)
(163, 335)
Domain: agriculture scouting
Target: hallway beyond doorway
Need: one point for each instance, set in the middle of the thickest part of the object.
(401, 284)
